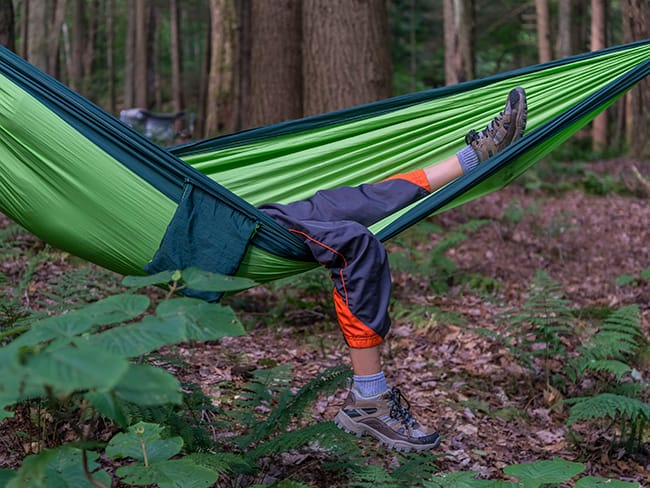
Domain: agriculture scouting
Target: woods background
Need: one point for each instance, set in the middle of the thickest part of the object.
(236, 64)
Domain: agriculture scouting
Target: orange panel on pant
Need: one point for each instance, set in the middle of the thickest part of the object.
(417, 177)
(356, 333)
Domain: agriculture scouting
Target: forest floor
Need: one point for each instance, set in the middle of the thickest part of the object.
(491, 410)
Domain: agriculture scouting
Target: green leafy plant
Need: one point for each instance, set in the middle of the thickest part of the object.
(537, 330)
(633, 280)
(441, 271)
(608, 354)
(550, 473)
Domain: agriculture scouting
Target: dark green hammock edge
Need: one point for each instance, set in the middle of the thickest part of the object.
(212, 226)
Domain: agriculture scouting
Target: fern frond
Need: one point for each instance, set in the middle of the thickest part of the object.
(290, 405)
(223, 462)
(606, 405)
(324, 436)
(617, 368)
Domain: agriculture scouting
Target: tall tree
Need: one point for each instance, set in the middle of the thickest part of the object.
(7, 25)
(459, 34)
(636, 26)
(54, 30)
(543, 31)
(220, 82)
(75, 58)
(142, 54)
(564, 36)
(346, 54)
(110, 55)
(598, 41)
(275, 61)
(37, 34)
(129, 55)
(175, 55)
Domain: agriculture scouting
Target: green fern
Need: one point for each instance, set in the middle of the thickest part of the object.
(288, 404)
(606, 405)
(537, 330)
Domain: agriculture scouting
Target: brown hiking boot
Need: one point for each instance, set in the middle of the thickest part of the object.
(504, 129)
(386, 419)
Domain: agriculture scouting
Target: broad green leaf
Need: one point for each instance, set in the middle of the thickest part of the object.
(130, 444)
(203, 321)
(161, 278)
(57, 468)
(197, 279)
(177, 473)
(76, 368)
(114, 309)
(540, 473)
(148, 385)
(133, 340)
(65, 470)
(6, 475)
(625, 279)
(106, 404)
(32, 471)
(645, 274)
(591, 482)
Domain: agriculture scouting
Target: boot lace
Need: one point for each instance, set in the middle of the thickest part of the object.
(493, 126)
(398, 411)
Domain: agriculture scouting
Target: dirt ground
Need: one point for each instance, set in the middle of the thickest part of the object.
(490, 410)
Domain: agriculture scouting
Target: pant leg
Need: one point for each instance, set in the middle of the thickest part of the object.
(334, 225)
(365, 204)
(358, 265)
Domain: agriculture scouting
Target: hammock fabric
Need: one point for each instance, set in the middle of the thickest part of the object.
(86, 183)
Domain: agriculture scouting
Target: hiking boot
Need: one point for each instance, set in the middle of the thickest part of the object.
(386, 419)
(504, 129)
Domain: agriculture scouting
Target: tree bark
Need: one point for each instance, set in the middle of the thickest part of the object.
(175, 54)
(7, 32)
(598, 41)
(54, 30)
(220, 85)
(636, 26)
(564, 36)
(129, 56)
(543, 31)
(37, 34)
(275, 61)
(459, 35)
(346, 55)
(243, 71)
(141, 54)
(74, 61)
(110, 54)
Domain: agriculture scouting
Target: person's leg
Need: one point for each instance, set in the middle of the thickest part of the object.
(369, 203)
(359, 269)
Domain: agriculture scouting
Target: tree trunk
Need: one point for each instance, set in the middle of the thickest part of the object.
(74, 61)
(110, 54)
(276, 62)
(141, 54)
(598, 32)
(88, 49)
(564, 36)
(636, 26)
(175, 55)
(129, 56)
(37, 34)
(220, 83)
(24, 29)
(243, 72)
(54, 30)
(543, 31)
(459, 35)
(346, 54)
(7, 33)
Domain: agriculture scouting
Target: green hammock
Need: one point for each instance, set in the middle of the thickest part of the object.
(84, 182)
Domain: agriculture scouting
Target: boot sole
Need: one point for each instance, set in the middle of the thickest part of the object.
(345, 423)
